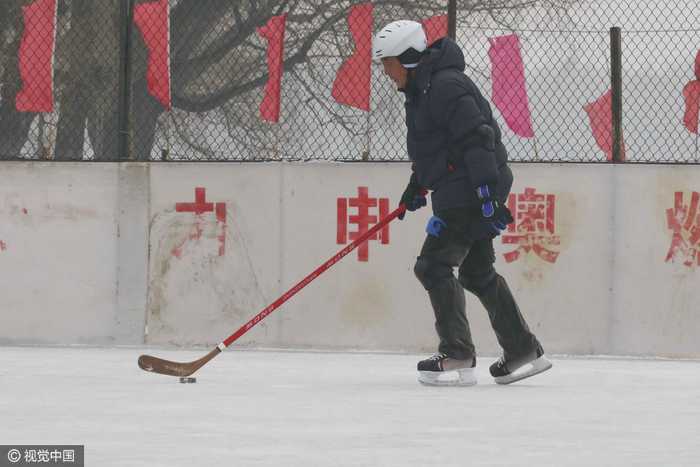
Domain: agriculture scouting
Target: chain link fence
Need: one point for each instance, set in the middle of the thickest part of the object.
(185, 80)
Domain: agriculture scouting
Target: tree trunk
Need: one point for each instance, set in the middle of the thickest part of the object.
(71, 124)
(73, 96)
(145, 113)
(91, 88)
(103, 124)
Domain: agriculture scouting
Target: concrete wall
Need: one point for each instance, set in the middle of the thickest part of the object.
(73, 253)
(184, 254)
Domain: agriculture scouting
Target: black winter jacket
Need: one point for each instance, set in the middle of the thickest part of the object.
(452, 139)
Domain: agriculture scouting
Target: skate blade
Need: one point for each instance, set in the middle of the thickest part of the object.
(465, 377)
(533, 368)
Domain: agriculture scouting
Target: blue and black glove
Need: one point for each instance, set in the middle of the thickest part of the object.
(435, 226)
(494, 216)
(413, 196)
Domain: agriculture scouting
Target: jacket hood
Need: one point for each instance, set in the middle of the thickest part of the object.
(443, 54)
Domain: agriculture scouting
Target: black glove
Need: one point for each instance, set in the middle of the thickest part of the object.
(413, 196)
(494, 216)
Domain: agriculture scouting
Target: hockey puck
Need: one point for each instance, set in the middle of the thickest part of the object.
(188, 379)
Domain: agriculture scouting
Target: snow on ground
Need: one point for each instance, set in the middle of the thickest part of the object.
(271, 408)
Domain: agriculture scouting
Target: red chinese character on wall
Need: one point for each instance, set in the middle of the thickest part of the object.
(684, 221)
(534, 227)
(200, 207)
(363, 220)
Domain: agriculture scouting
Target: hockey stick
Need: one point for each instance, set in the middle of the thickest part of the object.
(166, 367)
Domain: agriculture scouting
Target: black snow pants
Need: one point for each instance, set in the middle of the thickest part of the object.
(455, 248)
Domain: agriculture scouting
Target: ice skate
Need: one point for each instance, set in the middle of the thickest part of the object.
(441, 370)
(509, 371)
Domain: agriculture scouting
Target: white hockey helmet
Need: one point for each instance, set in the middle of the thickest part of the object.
(397, 39)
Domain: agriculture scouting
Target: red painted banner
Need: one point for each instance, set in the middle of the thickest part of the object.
(691, 96)
(435, 28)
(600, 118)
(509, 88)
(153, 20)
(273, 32)
(36, 57)
(352, 82)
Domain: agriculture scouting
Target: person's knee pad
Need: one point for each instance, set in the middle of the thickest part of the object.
(430, 273)
(478, 282)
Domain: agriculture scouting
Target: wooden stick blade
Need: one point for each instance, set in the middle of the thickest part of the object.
(166, 367)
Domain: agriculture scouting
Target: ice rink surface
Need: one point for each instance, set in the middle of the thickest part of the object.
(269, 408)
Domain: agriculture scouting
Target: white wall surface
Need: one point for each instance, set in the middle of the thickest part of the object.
(656, 307)
(99, 254)
(58, 270)
(201, 297)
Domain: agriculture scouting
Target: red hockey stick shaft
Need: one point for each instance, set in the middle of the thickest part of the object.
(305, 281)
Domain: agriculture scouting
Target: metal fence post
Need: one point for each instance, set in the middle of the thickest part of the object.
(123, 140)
(616, 89)
(452, 19)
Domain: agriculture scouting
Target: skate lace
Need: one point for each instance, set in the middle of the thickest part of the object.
(501, 361)
(438, 356)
